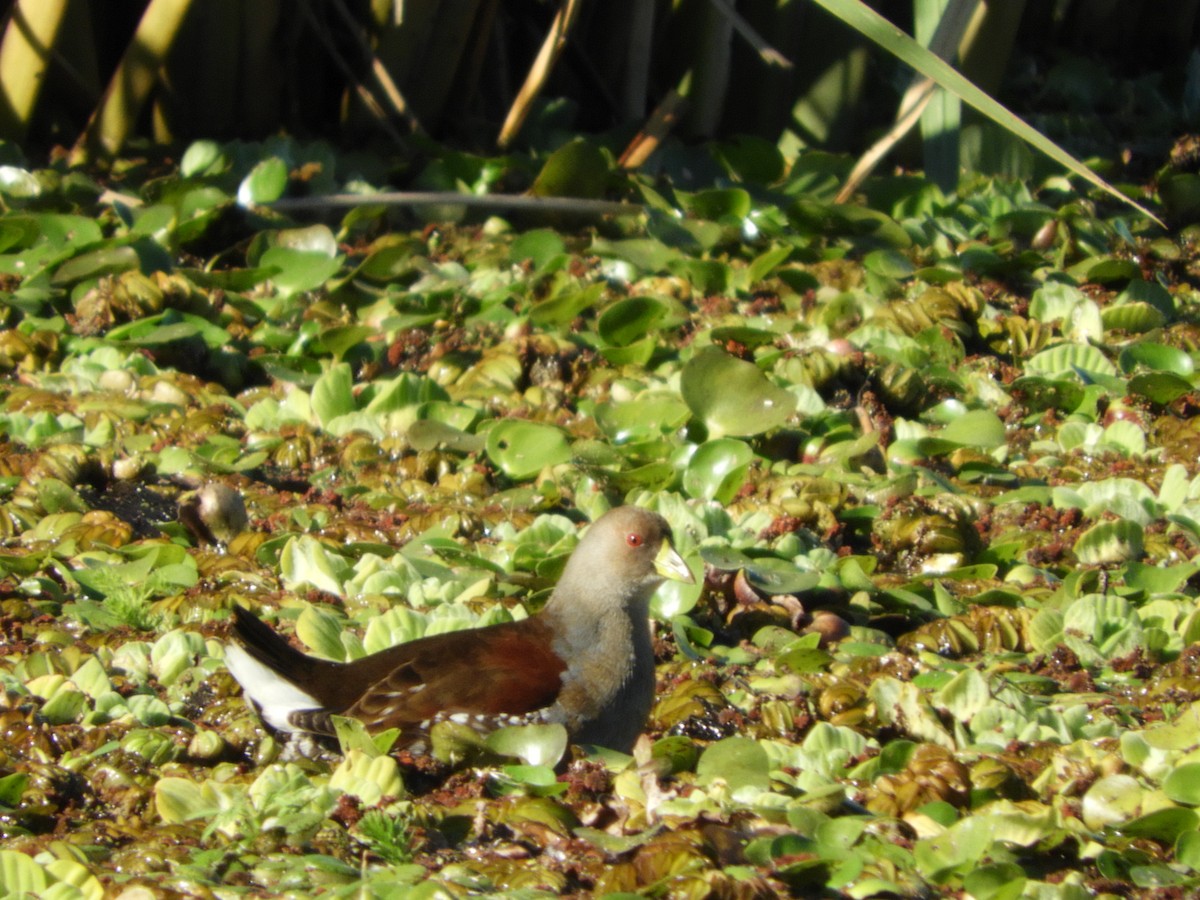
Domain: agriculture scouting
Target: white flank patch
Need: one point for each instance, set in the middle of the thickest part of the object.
(276, 697)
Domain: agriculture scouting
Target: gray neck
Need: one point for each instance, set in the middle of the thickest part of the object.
(610, 680)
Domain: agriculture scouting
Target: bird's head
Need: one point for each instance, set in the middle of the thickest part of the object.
(624, 555)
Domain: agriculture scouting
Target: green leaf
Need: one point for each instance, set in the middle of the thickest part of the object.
(149, 711)
(305, 561)
(321, 633)
(104, 261)
(1164, 825)
(749, 158)
(717, 470)
(333, 394)
(997, 881)
(296, 271)
(318, 239)
(646, 416)
(977, 428)
(563, 309)
(178, 800)
(425, 434)
(731, 396)
(719, 204)
(340, 340)
(1107, 269)
(64, 703)
(677, 752)
(902, 705)
(630, 319)
(1097, 616)
(1059, 393)
(1134, 318)
(201, 158)
(673, 600)
(20, 876)
(12, 786)
(646, 254)
(104, 580)
(1109, 543)
(576, 169)
(396, 626)
(964, 695)
(1182, 784)
(173, 653)
(1126, 436)
(708, 276)
(536, 745)
(265, 183)
(804, 660)
(522, 449)
(766, 263)
(1148, 293)
(743, 334)
(777, 576)
(539, 247)
(692, 236)
(1157, 357)
(455, 744)
(1021, 824)
(1066, 359)
(1056, 301)
(371, 778)
(738, 761)
(1180, 192)
(1162, 388)
(1187, 850)
(536, 781)
(956, 851)
(888, 264)
(18, 183)
(1159, 579)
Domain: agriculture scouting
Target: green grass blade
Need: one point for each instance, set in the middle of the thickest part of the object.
(863, 19)
(944, 21)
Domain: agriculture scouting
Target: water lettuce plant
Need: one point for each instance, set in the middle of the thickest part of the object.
(935, 459)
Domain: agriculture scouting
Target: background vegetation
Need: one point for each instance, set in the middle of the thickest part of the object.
(481, 73)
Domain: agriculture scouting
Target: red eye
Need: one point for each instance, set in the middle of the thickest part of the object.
(633, 540)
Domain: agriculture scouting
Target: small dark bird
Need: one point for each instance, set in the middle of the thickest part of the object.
(584, 661)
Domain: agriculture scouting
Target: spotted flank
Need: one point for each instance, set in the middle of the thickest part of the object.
(483, 724)
(415, 736)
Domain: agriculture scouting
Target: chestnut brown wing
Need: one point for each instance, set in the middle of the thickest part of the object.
(503, 670)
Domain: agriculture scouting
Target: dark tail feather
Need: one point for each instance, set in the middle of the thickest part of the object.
(316, 676)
